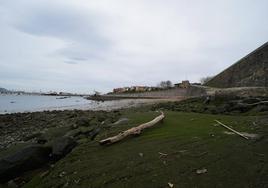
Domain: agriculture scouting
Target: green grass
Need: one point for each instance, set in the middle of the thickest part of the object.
(190, 140)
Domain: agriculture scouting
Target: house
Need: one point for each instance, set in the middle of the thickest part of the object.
(140, 88)
(119, 90)
(183, 84)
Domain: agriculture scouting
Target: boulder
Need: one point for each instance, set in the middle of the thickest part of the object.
(241, 107)
(32, 136)
(62, 146)
(86, 130)
(101, 116)
(82, 122)
(95, 132)
(73, 133)
(22, 160)
(52, 133)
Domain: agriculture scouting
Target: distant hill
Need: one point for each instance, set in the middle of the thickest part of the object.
(250, 71)
(3, 90)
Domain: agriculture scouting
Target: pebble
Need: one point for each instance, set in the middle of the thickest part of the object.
(62, 174)
(201, 171)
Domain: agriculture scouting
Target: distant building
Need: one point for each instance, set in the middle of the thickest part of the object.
(119, 90)
(140, 88)
(183, 84)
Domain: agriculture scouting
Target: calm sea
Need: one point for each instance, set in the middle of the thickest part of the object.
(27, 103)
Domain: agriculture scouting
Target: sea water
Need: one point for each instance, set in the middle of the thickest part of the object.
(31, 103)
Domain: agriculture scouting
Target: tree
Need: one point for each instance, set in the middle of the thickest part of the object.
(169, 83)
(165, 84)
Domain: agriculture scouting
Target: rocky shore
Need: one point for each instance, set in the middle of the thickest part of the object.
(20, 128)
(31, 140)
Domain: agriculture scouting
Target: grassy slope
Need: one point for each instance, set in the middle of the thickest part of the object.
(192, 142)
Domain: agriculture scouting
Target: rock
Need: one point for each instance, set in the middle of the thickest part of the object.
(95, 132)
(62, 146)
(241, 107)
(201, 171)
(86, 130)
(53, 133)
(12, 184)
(261, 108)
(74, 126)
(82, 122)
(27, 158)
(73, 133)
(62, 174)
(94, 122)
(80, 131)
(31, 136)
(171, 185)
(41, 140)
(101, 117)
(82, 140)
(250, 100)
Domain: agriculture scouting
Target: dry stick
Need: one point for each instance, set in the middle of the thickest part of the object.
(236, 132)
(257, 103)
(132, 131)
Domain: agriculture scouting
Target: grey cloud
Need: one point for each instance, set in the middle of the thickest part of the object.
(61, 22)
(79, 29)
(79, 45)
(79, 58)
(71, 62)
(82, 52)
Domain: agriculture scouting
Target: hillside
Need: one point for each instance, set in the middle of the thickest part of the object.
(250, 71)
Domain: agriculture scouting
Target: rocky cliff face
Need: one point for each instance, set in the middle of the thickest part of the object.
(250, 71)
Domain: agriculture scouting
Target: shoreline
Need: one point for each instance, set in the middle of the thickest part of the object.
(15, 128)
(96, 105)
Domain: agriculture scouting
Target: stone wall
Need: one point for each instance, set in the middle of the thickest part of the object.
(242, 92)
(250, 71)
(169, 93)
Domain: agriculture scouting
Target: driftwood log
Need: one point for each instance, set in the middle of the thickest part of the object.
(236, 132)
(132, 131)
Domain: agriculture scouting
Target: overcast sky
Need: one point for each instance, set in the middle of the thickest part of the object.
(86, 45)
